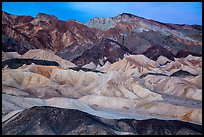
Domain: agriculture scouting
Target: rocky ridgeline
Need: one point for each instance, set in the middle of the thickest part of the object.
(72, 40)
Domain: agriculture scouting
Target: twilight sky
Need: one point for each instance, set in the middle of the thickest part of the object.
(166, 12)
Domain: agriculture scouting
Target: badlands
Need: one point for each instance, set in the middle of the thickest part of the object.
(132, 88)
(123, 75)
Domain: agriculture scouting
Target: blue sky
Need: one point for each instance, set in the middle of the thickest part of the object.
(166, 12)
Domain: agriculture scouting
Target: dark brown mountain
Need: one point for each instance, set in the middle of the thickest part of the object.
(57, 121)
(79, 42)
(106, 50)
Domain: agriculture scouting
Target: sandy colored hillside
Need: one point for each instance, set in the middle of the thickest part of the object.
(135, 86)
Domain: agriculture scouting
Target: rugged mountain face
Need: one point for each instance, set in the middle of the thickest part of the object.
(106, 50)
(54, 121)
(71, 40)
(43, 31)
(156, 33)
(148, 37)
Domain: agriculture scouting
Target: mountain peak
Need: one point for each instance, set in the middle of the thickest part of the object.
(45, 16)
(6, 14)
(127, 14)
